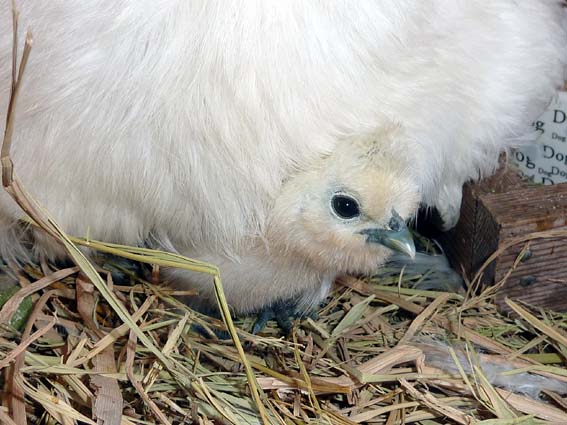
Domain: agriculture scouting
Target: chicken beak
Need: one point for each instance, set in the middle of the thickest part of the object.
(397, 237)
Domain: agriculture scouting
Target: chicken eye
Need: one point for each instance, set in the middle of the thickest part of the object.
(345, 206)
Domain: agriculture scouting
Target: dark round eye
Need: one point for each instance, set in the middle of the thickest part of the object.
(345, 206)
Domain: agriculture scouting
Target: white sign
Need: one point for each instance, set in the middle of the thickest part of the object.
(546, 161)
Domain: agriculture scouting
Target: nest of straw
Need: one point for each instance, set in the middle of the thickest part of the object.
(77, 348)
(70, 357)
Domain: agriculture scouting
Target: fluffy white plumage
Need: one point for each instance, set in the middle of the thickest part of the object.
(186, 121)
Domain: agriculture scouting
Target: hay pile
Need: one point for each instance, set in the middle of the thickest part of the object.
(361, 361)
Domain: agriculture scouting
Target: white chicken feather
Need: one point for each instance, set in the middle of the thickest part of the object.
(203, 124)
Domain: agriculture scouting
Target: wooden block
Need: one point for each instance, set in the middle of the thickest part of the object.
(501, 209)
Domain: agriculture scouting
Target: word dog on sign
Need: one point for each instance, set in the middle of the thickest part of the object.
(546, 162)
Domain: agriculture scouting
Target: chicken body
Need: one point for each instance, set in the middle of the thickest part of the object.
(210, 126)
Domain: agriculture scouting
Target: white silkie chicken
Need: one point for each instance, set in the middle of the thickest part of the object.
(286, 142)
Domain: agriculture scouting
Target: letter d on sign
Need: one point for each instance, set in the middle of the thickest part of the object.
(559, 116)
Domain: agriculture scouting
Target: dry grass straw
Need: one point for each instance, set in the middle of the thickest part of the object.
(92, 351)
(363, 360)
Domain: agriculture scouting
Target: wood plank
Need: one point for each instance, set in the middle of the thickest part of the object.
(504, 207)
